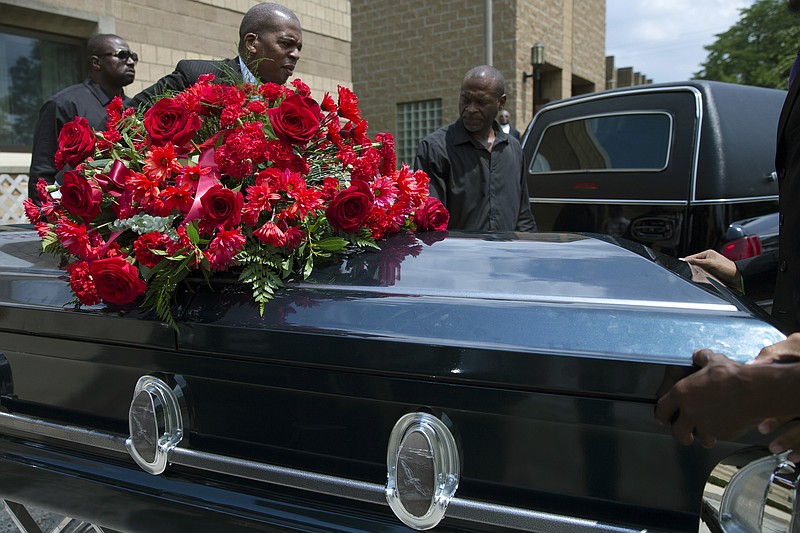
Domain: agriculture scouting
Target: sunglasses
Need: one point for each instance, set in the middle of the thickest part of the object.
(123, 55)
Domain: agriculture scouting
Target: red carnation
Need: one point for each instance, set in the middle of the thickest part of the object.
(223, 248)
(348, 104)
(81, 283)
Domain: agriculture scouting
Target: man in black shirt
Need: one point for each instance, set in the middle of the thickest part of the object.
(504, 118)
(270, 40)
(112, 66)
(476, 170)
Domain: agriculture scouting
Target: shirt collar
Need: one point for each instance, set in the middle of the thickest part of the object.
(99, 93)
(247, 75)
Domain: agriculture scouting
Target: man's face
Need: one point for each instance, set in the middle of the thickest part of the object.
(113, 69)
(503, 117)
(276, 51)
(479, 104)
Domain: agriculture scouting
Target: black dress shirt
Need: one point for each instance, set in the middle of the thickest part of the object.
(86, 100)
(483, 190)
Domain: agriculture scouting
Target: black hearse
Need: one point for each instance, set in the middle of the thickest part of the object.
(469, 383)
(670, 165)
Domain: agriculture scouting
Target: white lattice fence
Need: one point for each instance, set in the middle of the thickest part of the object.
(13, 191)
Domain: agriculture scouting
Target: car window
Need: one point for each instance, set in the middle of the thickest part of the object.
(629, 141)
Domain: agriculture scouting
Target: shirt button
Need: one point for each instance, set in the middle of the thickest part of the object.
(783, 265)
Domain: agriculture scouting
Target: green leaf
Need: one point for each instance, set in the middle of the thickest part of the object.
(330, 244)
(192, 233)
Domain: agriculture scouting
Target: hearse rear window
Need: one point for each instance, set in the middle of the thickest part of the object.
(629, 141)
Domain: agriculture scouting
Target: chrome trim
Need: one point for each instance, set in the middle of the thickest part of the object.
(771, 198)
(609, 201)
(74, 434)
(698, 97)
(613, 94)
(537, 298)
(139, 416)
(618, 201)
(442, 453)
(461, 509)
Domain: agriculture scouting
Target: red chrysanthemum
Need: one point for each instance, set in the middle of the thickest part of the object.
(385, 190)
(161, 162)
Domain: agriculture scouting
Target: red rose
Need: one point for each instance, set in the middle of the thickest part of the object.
(221, 207)
(80, 196)
(296, 119)
(75, 143)
(169, 122)
(117, 281)
(349, 209)
(432, 216)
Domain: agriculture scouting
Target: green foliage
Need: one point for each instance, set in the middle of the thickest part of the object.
(758, 50)
(163, 282)
(142, 223)
(264, 270)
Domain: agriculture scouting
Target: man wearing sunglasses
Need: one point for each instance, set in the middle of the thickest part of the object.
(112, 66)
(270, 40)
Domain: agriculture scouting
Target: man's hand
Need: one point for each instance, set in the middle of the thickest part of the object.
(785, 351)
(718, 266)
(788, 440)
(708, 405)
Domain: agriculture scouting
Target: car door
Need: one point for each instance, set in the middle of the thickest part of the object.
(619, 163)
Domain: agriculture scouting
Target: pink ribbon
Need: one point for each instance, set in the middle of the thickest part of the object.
(205, 182)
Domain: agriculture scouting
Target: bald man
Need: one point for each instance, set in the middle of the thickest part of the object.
(476, 170)
(270, 41)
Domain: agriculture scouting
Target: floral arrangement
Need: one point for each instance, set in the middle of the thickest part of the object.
(222, 175)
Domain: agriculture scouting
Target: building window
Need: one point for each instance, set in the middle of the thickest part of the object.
(33, 67)
(415, 120)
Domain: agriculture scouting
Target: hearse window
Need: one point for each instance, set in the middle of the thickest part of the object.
(631, 141)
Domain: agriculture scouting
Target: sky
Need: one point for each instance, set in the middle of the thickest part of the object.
(664, 39)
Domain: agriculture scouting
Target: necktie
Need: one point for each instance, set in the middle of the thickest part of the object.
(795, 69)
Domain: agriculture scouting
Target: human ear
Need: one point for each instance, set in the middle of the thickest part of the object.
(249, 43)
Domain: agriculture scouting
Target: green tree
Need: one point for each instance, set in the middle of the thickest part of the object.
(758, 50)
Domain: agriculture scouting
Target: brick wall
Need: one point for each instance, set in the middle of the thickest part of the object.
(408, 51)
(417, 50)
